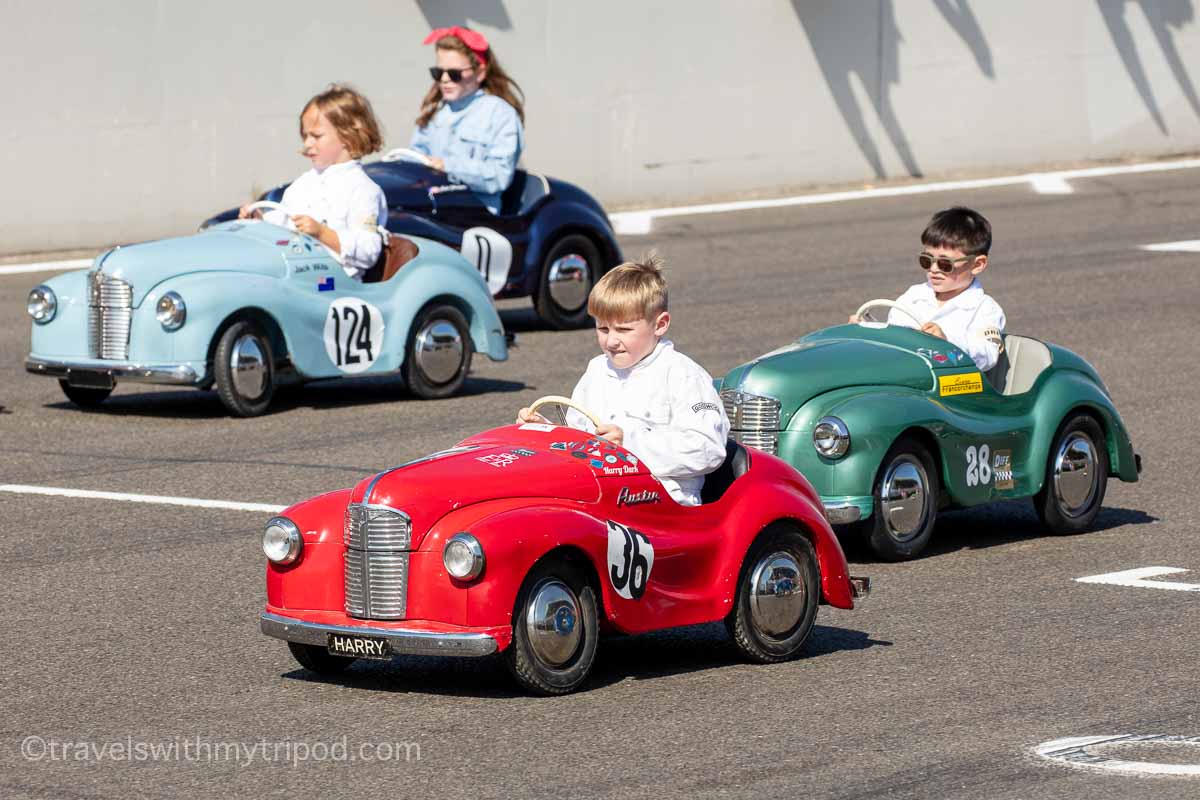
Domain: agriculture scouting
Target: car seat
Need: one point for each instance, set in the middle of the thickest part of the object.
(397, 251)
(735, 465)
(526, 189)
(1021, 362)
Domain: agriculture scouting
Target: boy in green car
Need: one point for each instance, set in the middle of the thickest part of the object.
(951, 301)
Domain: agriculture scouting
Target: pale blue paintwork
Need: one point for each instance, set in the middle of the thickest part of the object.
(234, 267)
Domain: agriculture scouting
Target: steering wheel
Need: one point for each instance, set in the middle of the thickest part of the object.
(867, 320)
(268, 205)
(553, 399)
(405, 154)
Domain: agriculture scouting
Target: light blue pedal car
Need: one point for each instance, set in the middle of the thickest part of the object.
(247, 306)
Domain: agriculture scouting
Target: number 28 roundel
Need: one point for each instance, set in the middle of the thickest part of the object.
(630, 559)
(353, 334)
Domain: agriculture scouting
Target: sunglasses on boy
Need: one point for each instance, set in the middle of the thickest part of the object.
(944, 264)
(455, 75)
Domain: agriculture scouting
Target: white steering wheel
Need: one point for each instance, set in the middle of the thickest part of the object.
(868, 320)
(264, 205)
(406, 154)
(553, 399)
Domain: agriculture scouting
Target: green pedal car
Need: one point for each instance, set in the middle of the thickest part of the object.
(891, 424)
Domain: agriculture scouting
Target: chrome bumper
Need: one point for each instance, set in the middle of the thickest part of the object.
(404, 642)
(181, 374)
(860, 587)
(842, 513)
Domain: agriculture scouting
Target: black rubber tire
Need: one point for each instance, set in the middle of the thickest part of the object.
(526, 667)
(875, 532)
(1045, 503)
(318, 659)
(551, 312)
(83, 396)
(414, 377)
(238, 404)
(757, 645)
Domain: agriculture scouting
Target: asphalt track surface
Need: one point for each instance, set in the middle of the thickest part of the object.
(131, 624)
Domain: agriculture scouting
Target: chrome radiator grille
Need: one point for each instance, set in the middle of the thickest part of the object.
(753, 419)
(376, 561)
(110, 314)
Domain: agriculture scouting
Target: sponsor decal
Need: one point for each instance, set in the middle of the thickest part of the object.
(544, 427)
(706, 407)
(353, 334)
(952, 385)
(627, 497)
(600, 455)
(282, 242)
(325, 284)
(1002, 470)
(630, 559)
(501, 460)
(993, 336)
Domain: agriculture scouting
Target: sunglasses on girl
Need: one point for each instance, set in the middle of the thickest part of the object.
(944, 264)
(455, 75)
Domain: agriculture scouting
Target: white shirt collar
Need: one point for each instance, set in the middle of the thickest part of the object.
(336, 169)
(651, 357)
(970, 297)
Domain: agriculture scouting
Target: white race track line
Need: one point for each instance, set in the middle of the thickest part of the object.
(642, 222)
(140, 498)
(46, 266)
(1189, 246)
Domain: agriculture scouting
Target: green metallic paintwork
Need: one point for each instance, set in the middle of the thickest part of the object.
(881, 383)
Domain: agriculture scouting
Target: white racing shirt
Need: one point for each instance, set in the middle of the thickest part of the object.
(672, 417)
(972, 321)
(344, 198)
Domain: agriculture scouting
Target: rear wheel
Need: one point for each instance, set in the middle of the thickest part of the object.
(318, 659)
(1076, 476)
(438, 355)
(83, 396)
(906, 502)
(244, 369)
(569, 271)
(555, 629)
(778, 592)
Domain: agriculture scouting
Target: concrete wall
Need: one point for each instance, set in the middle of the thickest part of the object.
(131, 120)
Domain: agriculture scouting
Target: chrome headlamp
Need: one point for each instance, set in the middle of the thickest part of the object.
(41, 304)
(463, 557)
(171, 311)
(831, 437)
(282, 541)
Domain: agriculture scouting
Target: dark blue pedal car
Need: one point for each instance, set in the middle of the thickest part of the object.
(551, 240)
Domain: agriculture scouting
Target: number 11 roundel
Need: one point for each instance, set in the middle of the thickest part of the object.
(353, 334)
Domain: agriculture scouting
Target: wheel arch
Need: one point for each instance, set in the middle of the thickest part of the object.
(280, 349)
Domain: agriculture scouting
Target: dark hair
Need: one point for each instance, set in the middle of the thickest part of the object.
(497, 82)
(959, 228)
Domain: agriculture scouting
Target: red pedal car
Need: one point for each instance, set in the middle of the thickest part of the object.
(533, 540)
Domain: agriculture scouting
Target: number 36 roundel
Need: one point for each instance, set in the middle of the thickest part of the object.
(630, 559)
(353, 334)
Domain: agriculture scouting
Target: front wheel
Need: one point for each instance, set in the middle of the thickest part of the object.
(569, 270)
(84, 397)
(778, 592)
(438, 355)
(555, 629)
(1076, 476)
(906, 502)
(244, 369)
(318, 659)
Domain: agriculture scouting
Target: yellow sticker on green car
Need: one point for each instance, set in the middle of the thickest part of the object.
(949, 385)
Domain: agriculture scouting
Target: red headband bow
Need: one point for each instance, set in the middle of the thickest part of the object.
(475, 40)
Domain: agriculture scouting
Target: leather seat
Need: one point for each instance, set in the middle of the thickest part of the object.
(1021, 362)
(395, 254)
(735, 465)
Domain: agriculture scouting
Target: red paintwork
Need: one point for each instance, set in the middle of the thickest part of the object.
(537, 503)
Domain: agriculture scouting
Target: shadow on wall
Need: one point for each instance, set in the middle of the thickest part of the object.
(444, 13)
(1162, 16)
(867, 45)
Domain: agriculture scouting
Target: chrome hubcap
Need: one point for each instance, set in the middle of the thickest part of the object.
(903, 498)
(552, 623)
(439, 350)
(777, 594)
(249, 367)
(1075, 474)
(569, 282)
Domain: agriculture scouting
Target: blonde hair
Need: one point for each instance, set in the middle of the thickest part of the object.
(497, 82)
(351, 116)
(634, 289)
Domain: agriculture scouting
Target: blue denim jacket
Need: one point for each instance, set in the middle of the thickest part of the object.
(480, 139)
